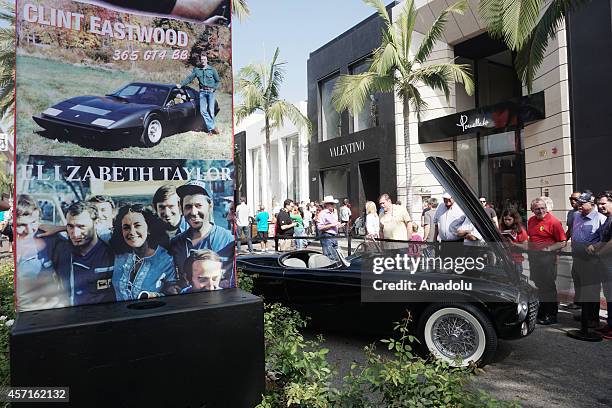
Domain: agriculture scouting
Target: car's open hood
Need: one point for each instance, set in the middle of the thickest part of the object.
(448, 176)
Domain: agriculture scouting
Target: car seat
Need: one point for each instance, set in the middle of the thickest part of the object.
(294, 263)
(319, 261)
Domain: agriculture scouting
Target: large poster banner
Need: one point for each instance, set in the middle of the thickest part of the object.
(124, 150)
(97, 81)
(99, 230)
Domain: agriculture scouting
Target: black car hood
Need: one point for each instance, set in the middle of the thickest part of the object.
(449, 177)
(85, 109)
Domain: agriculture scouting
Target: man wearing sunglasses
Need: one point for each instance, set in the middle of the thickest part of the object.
(490, 211)
(546, 237)
(585, 232)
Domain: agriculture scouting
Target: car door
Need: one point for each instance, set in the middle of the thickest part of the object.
(323, 286)
(268, 278)
(181, 113)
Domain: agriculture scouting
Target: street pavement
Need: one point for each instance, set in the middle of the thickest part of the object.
(545, 369)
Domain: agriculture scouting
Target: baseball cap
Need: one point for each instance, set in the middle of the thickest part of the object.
(446, 195)
(192, 188)
(586, 197)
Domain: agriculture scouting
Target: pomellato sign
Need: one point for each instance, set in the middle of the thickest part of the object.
(501, 117)
(478, 122)
(348, 148)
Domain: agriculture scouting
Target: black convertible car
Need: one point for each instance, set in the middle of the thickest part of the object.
(450, 322)
(141, 112)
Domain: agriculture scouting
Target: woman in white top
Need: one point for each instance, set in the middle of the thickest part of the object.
(372, 221)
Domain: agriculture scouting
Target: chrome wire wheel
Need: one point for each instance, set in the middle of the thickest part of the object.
(154, 131)
(453, 333)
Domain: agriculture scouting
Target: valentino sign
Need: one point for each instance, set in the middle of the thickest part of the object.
(348, 148)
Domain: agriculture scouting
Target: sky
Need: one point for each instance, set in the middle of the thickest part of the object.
(298, 27)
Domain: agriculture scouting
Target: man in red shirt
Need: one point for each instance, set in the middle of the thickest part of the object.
(546, 237)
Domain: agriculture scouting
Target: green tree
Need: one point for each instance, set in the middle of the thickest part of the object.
(259, 85)
(396, 68)
(240, 9)
(526, 26)
(7, 60)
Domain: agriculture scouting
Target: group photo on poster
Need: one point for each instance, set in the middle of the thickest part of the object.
(92, 230)
(98, 80)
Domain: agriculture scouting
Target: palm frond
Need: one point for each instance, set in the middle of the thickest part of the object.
(351, 91)
(242, 111)
(530, 56)
(385, 59)
(7, 12)
(282, 109)
(441, 76)
(381, 10)
(405, 28)
(274, 77)
(437, 28)
(492, 12)
(519, 19)
(417, 103)
(240, 9)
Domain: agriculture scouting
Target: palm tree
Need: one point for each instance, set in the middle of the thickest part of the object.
(259, 85)
(395, 68)
(240, 9)
(526, 26)
(7, 60)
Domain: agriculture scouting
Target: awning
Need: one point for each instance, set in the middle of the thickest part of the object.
(498, 118)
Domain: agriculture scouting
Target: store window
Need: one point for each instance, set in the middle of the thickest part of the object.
(335, 182)
(368, 117)
(330, 118)
(467, 159)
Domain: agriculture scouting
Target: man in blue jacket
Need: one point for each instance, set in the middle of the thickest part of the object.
(197, 206)
(208, 78)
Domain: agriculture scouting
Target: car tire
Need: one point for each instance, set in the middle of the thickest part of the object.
(153, 131)
(474, 338)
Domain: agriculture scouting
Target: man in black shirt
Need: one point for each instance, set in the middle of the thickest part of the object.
(285, 225)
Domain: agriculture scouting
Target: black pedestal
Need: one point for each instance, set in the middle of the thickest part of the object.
(198, 350)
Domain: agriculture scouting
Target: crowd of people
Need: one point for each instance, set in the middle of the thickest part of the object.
(588, 225)
(136, 251)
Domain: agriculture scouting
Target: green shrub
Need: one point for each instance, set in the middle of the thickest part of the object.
(406, 380)
(297, 371)
(7, 314)
(298, 374)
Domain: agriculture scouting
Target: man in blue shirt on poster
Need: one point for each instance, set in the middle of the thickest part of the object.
(84, 262)
(209, 81)
(197, 206)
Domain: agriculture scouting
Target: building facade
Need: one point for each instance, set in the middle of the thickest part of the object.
(351, 157)
(288, 162)
(510, 146)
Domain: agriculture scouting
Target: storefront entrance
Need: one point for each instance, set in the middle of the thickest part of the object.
(369, 182)
(494, 166)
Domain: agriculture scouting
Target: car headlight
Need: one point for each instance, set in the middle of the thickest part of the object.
(52, 112)
(522, 308)
(103, 122)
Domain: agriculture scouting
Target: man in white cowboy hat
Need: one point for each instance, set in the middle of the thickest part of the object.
(328, 225)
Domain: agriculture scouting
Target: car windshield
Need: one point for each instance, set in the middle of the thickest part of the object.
(142, 94)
